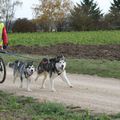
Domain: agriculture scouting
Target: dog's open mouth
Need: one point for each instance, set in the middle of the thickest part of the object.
(62, 67)
(30, 73)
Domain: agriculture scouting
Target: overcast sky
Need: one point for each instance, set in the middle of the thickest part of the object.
(26, 12)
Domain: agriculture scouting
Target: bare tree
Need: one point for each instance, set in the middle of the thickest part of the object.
(51, 12)
(7, 11)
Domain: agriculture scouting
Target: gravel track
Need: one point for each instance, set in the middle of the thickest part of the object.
(100, 95)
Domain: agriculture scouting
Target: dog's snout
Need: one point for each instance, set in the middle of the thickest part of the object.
(62, 66)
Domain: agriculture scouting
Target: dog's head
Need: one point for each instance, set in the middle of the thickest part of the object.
(30, 69)
(60, 63)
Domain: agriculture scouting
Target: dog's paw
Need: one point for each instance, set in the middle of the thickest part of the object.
(20, 86)
(53, 90)
(42, 87)
(29, 90)
(71, 86)
(13, 82)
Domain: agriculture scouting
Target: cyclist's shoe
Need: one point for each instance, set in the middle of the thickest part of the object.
(4, 46)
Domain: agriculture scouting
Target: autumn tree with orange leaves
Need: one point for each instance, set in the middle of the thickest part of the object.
(51, 12)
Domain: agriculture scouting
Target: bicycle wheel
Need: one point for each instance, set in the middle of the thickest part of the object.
(2, 71)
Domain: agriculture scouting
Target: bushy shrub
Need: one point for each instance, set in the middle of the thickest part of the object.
(24, 25)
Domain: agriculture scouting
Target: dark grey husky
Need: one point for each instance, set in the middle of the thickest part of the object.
(53, 67)
(22, 70)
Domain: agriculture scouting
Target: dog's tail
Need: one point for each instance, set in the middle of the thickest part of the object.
(10, 65)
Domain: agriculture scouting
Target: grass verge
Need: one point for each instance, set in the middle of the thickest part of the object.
(27, 108)
(103, 68)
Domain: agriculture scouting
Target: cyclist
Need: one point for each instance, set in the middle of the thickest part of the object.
(3, 45)
(3, 36)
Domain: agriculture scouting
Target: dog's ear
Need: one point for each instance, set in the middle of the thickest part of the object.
(32, 62)
(57, 59)
(63, 57)
(60, 57)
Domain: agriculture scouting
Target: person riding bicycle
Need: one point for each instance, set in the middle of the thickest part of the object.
(3, 45)
(3, 36)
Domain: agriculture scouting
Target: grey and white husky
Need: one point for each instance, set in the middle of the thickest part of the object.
(53, 67)
(22, 70)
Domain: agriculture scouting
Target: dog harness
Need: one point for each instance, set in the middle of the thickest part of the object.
(49, 66)
(27, 74)
(54, 69)
(58, 72)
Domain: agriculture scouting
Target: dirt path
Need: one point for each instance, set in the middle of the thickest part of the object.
(101, 95)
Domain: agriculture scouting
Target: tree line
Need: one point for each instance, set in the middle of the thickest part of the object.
(63, 15)
(7, 11)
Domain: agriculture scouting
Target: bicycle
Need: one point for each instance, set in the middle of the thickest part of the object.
(2, 69)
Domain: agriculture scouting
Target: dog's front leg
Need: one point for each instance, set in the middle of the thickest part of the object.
(28, 84)
(15, 77)
(52, 84)
(65, 78)
(43, 81)
(52, 77)
(21, 78)
(15, 74)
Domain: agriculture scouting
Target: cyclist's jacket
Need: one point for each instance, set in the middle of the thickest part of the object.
(3, 35)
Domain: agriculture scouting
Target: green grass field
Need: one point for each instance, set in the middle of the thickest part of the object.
(88, 38)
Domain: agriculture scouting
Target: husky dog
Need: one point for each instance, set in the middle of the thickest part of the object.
(53, 67)
(22, 70)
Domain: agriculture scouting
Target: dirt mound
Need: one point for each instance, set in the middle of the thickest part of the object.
(72, 50)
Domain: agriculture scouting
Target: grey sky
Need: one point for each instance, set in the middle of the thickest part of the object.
(26, 12)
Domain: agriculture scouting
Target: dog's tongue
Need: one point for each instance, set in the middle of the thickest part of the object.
(62, 68)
